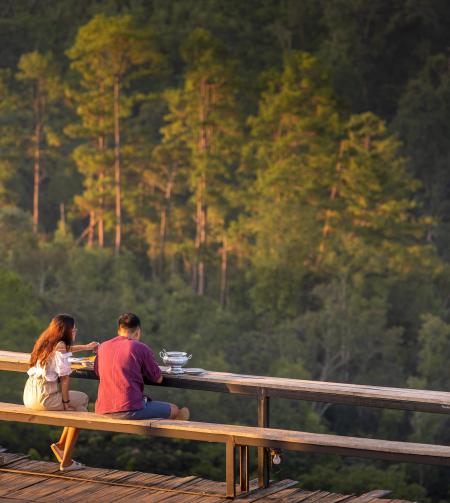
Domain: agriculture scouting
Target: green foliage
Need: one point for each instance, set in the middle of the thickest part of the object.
(286, 158)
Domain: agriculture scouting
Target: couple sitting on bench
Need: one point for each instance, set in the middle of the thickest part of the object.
(121, 364)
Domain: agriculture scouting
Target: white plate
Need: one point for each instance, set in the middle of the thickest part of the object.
(82, 361)
(194, 371)
(190, 371)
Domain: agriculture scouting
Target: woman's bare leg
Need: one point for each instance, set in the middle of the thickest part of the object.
(62, 441)
(71, 438)
(58, 447)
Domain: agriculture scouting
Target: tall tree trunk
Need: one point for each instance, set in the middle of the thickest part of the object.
(101, 218)
(201, 286)
(38, 117)
(101, 176)
(91, 229)
(37, 177)
(203, 146)
(62, 218)
(326, 229)
(223, 272)
(163, 223)
(117, 167)
(198, 211)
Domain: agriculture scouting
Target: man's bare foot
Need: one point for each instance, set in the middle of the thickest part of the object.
(183, 414)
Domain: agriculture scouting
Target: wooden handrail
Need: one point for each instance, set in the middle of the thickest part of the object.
(317, 391)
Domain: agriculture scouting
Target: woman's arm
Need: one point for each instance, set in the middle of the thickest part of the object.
(84, 347)
(64, 381)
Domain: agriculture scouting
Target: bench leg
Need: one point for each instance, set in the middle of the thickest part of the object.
(243, 468)
(231, 469)
(263, 453)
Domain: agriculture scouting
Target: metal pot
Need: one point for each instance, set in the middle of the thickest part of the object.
(175, 360)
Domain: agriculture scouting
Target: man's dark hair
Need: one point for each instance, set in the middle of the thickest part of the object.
(129, 321)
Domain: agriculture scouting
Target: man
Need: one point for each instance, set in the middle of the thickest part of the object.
(121, 365)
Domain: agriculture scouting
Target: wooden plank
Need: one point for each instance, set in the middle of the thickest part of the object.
(195, 484)
(91, 490)
(371, 496)
(33, 466)
(24, 487)
(295, 495)
(274, 488)
(87, 489)
(334, 498)
(75, 490)
(134, 495)
(11, 500)
(8, 458)
(290, 494)
(11, 486)
(242, 435)
(171, 482)
(343, 393)
(106, 493)
(317, 497)
(42, 490)
(11, 482)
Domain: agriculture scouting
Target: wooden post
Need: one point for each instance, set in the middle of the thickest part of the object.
(263, 453)
(243, 468)
(230, 469)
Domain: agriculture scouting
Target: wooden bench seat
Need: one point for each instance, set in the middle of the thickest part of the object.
(236, 436)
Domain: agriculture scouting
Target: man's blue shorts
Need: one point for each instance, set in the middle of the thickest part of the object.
(151, 409)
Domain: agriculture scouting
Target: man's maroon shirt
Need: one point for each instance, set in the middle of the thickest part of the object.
(121, 364)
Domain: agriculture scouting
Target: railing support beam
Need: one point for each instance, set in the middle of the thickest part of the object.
(263, 453)
(243, 468)
(230, 469)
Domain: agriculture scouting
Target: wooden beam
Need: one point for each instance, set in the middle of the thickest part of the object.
(230, 469)
(316, 391)
(241, 435)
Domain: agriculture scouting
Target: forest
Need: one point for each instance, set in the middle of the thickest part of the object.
(266, 183)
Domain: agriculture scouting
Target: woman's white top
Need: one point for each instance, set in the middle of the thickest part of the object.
(58, 365)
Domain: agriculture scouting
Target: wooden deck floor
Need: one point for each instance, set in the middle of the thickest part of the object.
(22, 479)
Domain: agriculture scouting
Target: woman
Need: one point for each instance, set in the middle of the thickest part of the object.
(49, 364)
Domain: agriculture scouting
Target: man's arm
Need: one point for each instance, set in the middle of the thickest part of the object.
(150, 367)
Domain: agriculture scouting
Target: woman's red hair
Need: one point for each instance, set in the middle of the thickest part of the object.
(60, 329)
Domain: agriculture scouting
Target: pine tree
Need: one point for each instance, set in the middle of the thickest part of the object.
(106, 51)
(292, 156)
(204, 116)
(93, 157)
(39, 74)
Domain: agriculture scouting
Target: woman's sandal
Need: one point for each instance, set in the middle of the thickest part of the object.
(57, 452)
(73, 466)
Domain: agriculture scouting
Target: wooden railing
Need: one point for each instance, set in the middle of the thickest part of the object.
(263, 388)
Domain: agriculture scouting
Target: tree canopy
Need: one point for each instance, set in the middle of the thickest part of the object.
(264, 183)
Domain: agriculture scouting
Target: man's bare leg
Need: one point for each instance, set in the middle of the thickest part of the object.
(176, 413)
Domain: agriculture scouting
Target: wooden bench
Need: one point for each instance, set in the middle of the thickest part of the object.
(234, 436)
